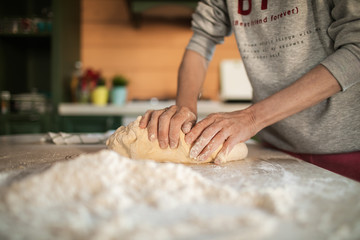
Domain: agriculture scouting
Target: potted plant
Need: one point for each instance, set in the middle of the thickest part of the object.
(119, 90)
(100, 94)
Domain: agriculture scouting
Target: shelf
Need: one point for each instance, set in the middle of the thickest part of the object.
(25, 35)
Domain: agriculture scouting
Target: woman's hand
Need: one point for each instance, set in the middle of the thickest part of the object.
(165, 124)
(220, 128)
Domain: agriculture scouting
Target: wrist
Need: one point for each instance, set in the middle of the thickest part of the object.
(264, 114)
(254, 124)
(191, 104)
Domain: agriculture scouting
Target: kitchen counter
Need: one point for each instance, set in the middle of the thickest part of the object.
(313, 203)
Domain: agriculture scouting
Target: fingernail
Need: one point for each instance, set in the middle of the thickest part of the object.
(152, 137)
(162, 144)
(201, 158)
(187, 128)
(195, 150)
(173, 144)
(220, 159)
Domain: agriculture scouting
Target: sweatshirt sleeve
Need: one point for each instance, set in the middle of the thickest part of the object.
(210, 25)
(344, 63)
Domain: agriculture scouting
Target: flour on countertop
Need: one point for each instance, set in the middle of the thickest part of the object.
(107, 196)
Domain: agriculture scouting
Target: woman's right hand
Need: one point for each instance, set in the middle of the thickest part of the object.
(165, 124)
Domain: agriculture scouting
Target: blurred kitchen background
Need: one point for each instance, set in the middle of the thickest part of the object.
(57, 56)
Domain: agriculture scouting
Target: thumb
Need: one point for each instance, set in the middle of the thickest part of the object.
(186, 127)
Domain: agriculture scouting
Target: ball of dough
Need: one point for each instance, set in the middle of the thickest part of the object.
(132, 141)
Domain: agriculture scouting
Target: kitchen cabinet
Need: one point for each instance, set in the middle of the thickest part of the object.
(25, 123)
(39, 45)
(89, 124)
(137, 7)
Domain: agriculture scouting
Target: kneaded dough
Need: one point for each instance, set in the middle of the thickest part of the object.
(132, 141)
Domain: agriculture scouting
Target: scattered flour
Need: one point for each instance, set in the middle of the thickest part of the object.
(107, 196)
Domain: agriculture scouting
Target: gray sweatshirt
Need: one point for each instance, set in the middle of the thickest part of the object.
(280, 41)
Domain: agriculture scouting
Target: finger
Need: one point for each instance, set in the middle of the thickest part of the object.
(196, 131)
(228, 145)
(174, 130)
(187, 125)
(213, 145)
(145, 119)
(203, 140)
(152, 125)
(181, 118)
(164, 125)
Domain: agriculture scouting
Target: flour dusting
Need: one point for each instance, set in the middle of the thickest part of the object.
(106, 196)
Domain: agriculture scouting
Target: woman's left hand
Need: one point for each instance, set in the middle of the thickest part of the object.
(220, 128)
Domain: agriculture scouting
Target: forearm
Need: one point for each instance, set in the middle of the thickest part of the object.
(314, 87)
(191, 77)
(234, 127)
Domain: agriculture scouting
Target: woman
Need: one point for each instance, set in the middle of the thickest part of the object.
(303, 61)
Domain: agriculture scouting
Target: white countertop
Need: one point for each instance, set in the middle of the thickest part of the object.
(134, 109)
(302, 200)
